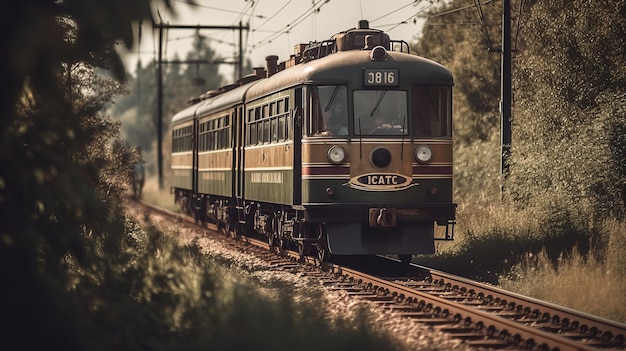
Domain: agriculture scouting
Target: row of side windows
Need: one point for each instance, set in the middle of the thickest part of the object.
(182, 139)
(215, 134)
(269, 123)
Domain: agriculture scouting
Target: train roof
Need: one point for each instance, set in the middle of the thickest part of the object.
(214, 102)
(186, 114)
(332, 69)
(323, 63)
(224, 100)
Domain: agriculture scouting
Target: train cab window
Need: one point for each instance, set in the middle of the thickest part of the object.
(432, 110)
(380, 112)
(328, 111)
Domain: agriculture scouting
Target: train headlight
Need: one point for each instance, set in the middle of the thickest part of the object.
(378, 53)
(336, 154)
(423, 153)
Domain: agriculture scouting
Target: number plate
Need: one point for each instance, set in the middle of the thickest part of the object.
(380, 76)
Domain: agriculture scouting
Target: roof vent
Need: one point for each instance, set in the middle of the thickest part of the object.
(272, 64)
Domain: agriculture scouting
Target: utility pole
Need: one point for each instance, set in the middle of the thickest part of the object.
(505, 82)
(160, 63)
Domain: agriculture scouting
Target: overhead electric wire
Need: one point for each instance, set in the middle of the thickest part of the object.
(415, 15)
(193, 3)
(481, 15)
(394, 11)
(291, 24)
(272, 16)
(457, 9)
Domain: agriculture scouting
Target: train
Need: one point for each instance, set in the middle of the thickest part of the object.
(343, 149)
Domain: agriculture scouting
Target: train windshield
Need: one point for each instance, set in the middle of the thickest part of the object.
(431, 108)
(329, 112)
(380, 112)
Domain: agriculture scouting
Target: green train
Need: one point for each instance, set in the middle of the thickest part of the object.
(343, 149)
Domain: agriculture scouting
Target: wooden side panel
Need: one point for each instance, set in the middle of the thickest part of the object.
(182, 170)
(215, 173)
(269, 173)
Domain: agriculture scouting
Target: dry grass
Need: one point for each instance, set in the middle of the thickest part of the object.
(550, 255)
(584, 284)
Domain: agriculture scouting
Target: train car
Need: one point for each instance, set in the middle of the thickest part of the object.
(344, 149)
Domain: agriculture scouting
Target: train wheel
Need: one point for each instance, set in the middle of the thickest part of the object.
(302, 251)
(323, 253)
(272, 236)
(283, 241)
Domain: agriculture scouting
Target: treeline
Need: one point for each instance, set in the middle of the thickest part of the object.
(181, 81)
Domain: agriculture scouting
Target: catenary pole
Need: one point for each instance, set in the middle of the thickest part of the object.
(159, 117)
(505, 80)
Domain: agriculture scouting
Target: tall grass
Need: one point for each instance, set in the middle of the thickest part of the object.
(548, 252)
(582, 282)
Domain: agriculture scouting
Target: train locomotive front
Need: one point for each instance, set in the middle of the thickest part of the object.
(346, 151)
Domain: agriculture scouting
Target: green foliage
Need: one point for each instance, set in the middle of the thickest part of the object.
(570, 109)
(59, 197)
(568, 114)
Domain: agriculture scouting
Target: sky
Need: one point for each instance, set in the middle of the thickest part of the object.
(275, 26)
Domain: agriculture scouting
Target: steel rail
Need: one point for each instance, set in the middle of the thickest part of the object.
(471, 315)
(546, 309)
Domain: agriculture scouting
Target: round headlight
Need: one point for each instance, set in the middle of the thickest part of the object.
(336, 154)
(423, 153)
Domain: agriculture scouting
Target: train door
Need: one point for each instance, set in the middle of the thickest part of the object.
(234, 146)
(296, 120)
(194, 158)
(237, 210)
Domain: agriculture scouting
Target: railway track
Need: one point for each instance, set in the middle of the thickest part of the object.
(483, 316)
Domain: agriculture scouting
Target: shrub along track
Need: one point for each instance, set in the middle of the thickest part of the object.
(482, 316)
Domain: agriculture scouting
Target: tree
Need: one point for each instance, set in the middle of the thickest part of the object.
(570, 114)
(56, 187)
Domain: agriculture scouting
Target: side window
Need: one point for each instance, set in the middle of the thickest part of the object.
(251, 126)
(328, 111)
